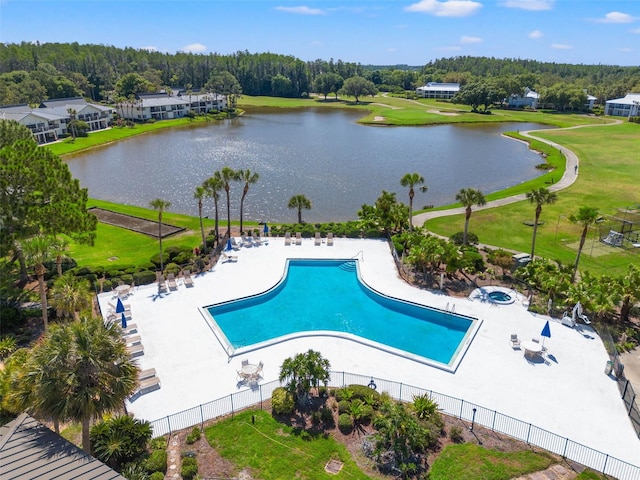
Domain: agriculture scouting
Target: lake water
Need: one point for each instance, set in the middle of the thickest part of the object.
(325, 155)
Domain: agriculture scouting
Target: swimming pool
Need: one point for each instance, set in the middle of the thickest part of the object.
(327, 297)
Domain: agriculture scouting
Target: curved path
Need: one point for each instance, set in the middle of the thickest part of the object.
(570, 175)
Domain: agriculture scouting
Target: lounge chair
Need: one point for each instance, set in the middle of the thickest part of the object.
(515, 342)
(132, 340)
(246, 243)
(234, 244)
(298, 238)
(330, 239)
(287, 238)
(162, 286)
(113, 308)
(245, 363)
(148, 373)
(229, 258)
(129, 329)
(171, 280)
(186, 278)
(318, 239)
(146, 385)
(135, 350)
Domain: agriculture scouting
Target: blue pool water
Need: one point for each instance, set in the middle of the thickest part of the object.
(327, 295)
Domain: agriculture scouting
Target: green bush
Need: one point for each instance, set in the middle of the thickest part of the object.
(194, 436)
(345, 423)
(361, 392)
(344, 406)
(373, 233)
(144, 277)
(455, 434)
(156, 462)
(472, 238)
(189, 468)
(282, 401)
(156, 476)
(158, 443)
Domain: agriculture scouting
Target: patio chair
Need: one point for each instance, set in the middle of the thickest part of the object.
(318, 239)
(171, 280)
(535, 340)
(287, 238)
(234, 244)
(515, 342)
(132, 340)
(186, 278)
(246, 243)
(330, 239)
(148, 373)
(148, 384)
(229, 258)
(298, 238)
(162, 286)
(135, 350)
(245, 363)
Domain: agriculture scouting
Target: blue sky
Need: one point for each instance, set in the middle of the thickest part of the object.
(364, 31)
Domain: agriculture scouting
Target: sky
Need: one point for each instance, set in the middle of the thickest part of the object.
(377, 32)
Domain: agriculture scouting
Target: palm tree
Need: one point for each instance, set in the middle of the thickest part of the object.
(410, 180)
(248, 177)
(213, 185)
(469, 197)
(70, 295)
(304, 372)
(299, 201)
(586, 217)
(629, 287)
(78, 372)
(226, 175)
(539, 196)
(37, 251)
(58, 247)
(161, 206)
(199, 194)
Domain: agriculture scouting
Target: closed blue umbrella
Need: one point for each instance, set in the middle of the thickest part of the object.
(266, 229)
(228, 247)
(124, 321)
(546, 332)
(119, 306)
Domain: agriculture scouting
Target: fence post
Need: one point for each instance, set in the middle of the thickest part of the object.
(528, 433)
(604, 467)
(231, 398)
(169, 424)
(461, 406)
(260, 397)
(201, 419)
(400, 392)
(566, 444)
(493, 422)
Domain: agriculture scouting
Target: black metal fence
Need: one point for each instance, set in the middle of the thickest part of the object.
(456, 407)
(617, 368)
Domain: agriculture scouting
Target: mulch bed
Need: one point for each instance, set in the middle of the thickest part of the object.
(135, 224)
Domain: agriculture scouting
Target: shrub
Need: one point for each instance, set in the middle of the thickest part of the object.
(172, 268)
(344, 406)
(455, 434)
(326, 415)
(345, 423)
(373, 233)
(361, 392)
(282, 401)
(194, 436)
(472, 238)
(156, 462)
(144, 277)
(189, 468)
(156, 476)
(158, 443)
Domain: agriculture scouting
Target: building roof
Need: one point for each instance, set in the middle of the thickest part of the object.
(435, 86)
(29, 450)
(629, 99)
(59, 102)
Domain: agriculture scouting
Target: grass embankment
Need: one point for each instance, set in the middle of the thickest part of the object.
(608, 180)
(273, 450)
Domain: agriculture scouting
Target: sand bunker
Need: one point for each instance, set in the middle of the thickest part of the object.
(440, 112)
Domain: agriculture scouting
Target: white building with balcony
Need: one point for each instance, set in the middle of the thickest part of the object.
(629, 106)
(443, 91)
(162, 106)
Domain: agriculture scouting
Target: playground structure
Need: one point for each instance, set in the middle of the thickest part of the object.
(621, 229)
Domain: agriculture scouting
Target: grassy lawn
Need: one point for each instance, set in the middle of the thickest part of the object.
(275, 451)
(607, 180)
(473, 462)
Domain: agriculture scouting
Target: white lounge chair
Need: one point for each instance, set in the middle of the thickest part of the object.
(298, 238)
(148, 373)
(186, 278)
(135, 350)
(171, 280)
(515, 342)
(318, 239)
(246, 242)
(287, 238)
(162, 286)
(148, 384)
(330, 239)
(229, 258)
(234, 244)
(132, 340)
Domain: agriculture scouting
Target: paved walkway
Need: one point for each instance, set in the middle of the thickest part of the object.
(568, 178)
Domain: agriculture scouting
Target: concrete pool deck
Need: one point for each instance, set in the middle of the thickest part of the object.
(570, 396)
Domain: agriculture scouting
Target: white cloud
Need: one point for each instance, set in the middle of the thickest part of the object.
(561, 46)
(447, 8)
(533, 5)
(194, 48)
(468, 39)
(636, 31)
(150, 48)
(392, 50)
(450, 48)
(536, 34)
(616, 17)
(625, 50)
(302, 10)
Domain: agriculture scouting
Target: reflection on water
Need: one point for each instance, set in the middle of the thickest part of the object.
(325, 155)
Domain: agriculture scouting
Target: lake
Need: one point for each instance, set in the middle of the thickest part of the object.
(325, 155)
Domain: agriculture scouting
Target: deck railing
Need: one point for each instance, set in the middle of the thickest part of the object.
(455, 407)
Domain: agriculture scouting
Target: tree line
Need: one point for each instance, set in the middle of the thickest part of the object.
(32, 72)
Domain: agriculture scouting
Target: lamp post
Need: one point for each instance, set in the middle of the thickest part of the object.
(473, 419)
